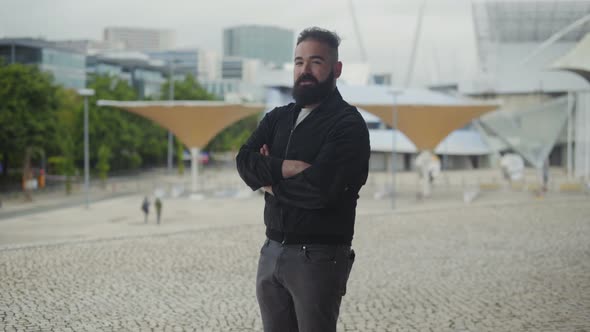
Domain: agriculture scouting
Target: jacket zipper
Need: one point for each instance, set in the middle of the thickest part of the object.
(288, 143)
(293, 122)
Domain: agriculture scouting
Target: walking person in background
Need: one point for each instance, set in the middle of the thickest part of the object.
(145, 207)
(158, 205)
(311, 158)
(545, 175)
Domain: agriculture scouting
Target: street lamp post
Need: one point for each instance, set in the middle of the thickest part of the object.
(86, 93)
(171, 98)
(395, 93)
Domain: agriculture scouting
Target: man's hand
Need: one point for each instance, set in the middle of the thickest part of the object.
(290, 167)
(268, 189)
(293, 167)
(264, 150)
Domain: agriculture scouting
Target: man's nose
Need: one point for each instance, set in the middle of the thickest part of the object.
(306, 68)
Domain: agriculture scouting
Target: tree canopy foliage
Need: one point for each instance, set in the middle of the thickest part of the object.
(35, 112)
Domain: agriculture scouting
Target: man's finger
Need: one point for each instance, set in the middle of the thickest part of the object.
(264, 150)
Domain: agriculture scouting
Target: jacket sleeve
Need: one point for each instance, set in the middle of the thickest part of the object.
(340, 166)
(255, 169)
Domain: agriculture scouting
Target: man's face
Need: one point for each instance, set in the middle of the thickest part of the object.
(315, 72)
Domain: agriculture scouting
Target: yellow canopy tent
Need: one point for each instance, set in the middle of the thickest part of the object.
(194, 123)
(426, 117)
(427, 125)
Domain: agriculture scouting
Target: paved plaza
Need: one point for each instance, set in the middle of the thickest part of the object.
(506, 262)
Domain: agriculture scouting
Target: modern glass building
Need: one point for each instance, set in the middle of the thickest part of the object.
(266, 43)
(146, 76)
(202, 64)
(67, 66)
(140, 39)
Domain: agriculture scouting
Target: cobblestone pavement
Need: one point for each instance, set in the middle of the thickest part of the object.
(492, 268)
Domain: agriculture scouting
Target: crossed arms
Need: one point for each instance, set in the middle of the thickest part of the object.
(341, 159)
(289, 168)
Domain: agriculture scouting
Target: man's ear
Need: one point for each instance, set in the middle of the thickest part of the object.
(337, 69)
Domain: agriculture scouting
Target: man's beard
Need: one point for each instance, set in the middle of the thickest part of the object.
(312, 94)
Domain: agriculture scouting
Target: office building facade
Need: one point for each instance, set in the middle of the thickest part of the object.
(139, 39)
(203, 65)
(67, 66)
(144, 75)
(271, 45)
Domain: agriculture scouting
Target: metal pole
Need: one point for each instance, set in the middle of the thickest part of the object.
(586, 107)
(410, 71)
(86, 154)
(393, 131)
(171, 97)
(195, 169)
(569, 162)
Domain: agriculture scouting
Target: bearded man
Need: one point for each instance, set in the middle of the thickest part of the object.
(311, 158)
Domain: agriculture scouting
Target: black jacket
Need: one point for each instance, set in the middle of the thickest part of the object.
(317, 205)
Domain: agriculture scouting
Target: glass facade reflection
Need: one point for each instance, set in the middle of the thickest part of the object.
(67, 67)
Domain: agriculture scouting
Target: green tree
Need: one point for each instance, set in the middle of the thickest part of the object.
(104, 156)
(132, 140)
(28, 106)
(67, 116)
(187, 89)
(234, 136)
(180, 157)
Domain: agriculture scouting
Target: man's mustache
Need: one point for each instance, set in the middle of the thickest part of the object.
(306, 77)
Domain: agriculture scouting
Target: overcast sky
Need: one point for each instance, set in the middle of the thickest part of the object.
(446, 50)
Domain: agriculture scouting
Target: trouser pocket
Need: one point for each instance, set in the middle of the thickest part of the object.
(349, 263)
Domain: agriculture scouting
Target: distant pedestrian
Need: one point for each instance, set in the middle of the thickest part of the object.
(545, 175)
(145, 207)
(158, 205)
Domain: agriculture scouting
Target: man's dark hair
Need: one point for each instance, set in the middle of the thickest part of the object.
(323, 36)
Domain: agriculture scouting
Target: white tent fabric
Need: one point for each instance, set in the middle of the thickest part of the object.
(532, 132)
(577, 60)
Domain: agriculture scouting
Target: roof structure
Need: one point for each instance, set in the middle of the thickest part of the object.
(526, 21)
(577, 60)
(195, 123)
(458, 143)
(425, 117)
(531, 132)
(37, 43)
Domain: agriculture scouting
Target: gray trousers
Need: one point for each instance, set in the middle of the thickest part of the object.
(300, 287)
